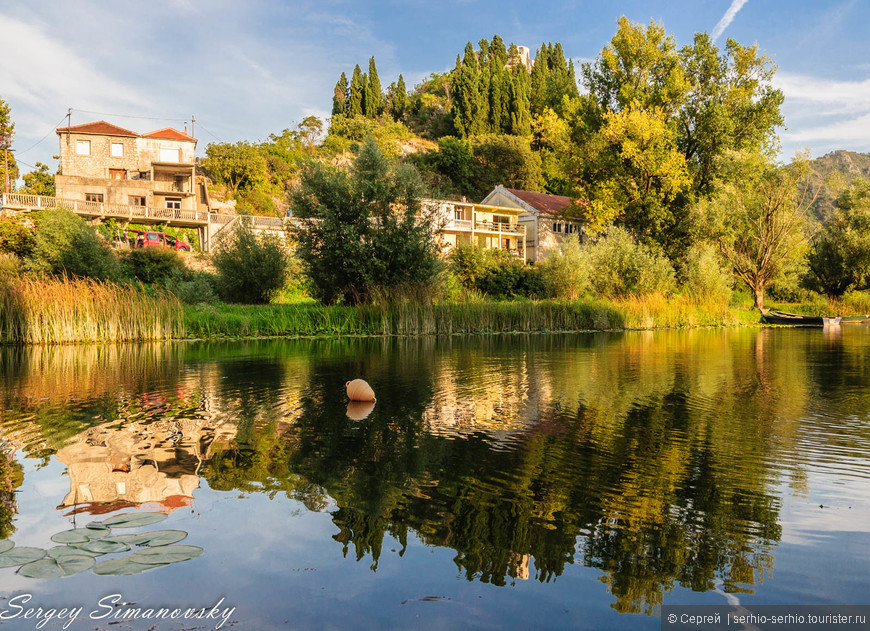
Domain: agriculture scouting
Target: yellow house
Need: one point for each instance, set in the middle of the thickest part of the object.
(487, 227)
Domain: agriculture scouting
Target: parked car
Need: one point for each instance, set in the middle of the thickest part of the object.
(143, 239)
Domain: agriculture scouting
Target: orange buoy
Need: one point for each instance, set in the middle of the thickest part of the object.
(359, 390)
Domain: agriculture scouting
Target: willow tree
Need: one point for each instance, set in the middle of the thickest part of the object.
(756, 216)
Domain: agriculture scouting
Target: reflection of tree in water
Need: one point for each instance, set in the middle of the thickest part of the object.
(659, 475)
(11, 477)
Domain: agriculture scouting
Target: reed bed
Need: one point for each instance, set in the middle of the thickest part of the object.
(406, 318)
(62, 310)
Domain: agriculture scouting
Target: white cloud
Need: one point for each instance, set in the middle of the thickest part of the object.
(825, 114)
(726, 20)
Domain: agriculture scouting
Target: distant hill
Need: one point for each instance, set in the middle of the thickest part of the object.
(833, 171)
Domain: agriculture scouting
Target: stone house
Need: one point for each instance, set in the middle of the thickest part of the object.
(540, 215)
(101, 162)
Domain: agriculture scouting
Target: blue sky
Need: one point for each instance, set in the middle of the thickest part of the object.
(246, 70)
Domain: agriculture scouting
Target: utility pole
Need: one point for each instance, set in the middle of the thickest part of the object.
(192, 123)
(6, 143)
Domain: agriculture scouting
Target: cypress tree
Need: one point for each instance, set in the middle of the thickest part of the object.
(366, 97)
(399, 102)
(538, 80)
(374, 93)
(339, 96)
(356, 94)
(497, 53)
(466, 95)
(520, 114)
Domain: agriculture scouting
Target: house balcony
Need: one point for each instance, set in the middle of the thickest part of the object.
(490, 227)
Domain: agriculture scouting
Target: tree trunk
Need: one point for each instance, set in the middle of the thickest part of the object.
(758, 292)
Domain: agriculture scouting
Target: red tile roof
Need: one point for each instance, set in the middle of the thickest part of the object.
(100, 127)
(168, 133)
(551, 204)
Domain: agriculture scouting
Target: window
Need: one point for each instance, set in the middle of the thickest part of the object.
(501, 219)
(93, 197)
(117, 149)
(169, 154)
(557, 227)
(136, 200)
(117, 174)
(457, 214)
(83, 147)
(173, 203)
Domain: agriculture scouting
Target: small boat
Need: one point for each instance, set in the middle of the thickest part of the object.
(859, 319)
(794, 319)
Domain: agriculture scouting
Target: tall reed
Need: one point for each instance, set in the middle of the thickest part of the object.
(61, 310)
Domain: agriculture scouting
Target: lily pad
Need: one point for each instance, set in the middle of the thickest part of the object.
(20, 556)
(59, 552)
(103, 546)
(97, 525)
(124, 566)
(166, 554)
(77, 535)
(132, 520)
(55, 568)
(5, 545)
(156, 538)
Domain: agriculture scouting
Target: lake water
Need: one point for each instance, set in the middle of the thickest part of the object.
(547, 481)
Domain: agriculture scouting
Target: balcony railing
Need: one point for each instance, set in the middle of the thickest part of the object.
(464, 225)
(102, 209)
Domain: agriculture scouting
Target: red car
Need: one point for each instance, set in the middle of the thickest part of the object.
(142, 239)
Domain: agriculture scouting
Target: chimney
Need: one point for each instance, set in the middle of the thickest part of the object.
(185, 127)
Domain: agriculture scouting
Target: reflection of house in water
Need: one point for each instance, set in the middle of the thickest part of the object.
(111, 467)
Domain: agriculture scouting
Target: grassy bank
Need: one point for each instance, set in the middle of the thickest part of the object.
(54, 311)
(405, 318)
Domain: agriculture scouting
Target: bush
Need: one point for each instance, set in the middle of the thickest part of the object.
(65, 244)
(619, 266)
(15, 239)
(704, 276)
(154, 265)
(565, 272)
(251, 268)
(196, 288)
(496, 273)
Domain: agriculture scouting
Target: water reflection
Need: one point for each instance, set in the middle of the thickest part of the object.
(659, 459)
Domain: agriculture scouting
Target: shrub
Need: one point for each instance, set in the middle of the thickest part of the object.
(704, 276)
(65, 244)
(197, 288)
(154, 265)
(15, 239)
(565, 272)
(251, 268)
(619, 266)
(495, 273)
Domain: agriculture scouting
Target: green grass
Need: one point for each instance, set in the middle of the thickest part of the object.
(409, 318)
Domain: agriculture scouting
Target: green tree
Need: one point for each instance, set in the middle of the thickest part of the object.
(468, 104)
(363, 230)
(356, 93)
(339, 96)
(506, 160)
(399, 100)
(64, 244)
(239, 165)
(251, 268)
(39, 182)
(374, 101)
(7, 131)
(518, 94)
(756, 216)
(839, 258)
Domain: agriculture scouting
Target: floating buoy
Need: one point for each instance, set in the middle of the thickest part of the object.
(359, 410)
(359, 390)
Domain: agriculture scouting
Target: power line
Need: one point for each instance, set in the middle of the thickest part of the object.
(33, 146)
(150, 118)
(208, 132)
